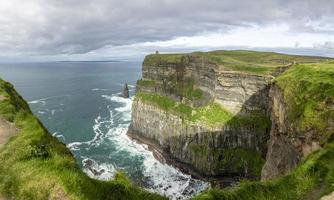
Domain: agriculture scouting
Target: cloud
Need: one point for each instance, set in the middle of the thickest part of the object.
(326, 45)
(71, 27)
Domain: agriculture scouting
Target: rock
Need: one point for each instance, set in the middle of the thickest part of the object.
(182, 140)
(287, 145)
(125, 93)
(209, 151)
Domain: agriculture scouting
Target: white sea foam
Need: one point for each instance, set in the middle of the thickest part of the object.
(59, 136)
(101, 171)
(164, 179)
(160, 178)
(74, 146)
(100, 89)
(42, 101)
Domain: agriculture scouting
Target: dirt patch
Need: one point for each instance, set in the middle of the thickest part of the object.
(328, 197)
(7, 130)
(57, 194)
(2, 97)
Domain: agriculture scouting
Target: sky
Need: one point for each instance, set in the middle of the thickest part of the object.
(43, 30)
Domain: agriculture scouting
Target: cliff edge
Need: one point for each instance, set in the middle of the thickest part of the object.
(35, 165)
(234, 113)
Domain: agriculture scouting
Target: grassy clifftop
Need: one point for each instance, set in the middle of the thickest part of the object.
(238, 60)
(35, 165)
(309, 94)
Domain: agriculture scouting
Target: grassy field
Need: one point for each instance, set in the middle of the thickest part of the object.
(35, 165)
(238, 60)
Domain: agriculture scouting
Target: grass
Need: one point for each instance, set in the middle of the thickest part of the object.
(186, 89)
(254, 62)
(309, 95)
(35, 165)
(155, 59)
(212, 115)
(314, 176)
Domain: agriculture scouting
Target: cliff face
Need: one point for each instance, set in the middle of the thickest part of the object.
(302, 116)
(283, 152)
(211, 150)
(208, 111)
(236, 91)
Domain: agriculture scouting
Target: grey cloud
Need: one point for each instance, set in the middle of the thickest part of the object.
(326, 45)
(40, 27)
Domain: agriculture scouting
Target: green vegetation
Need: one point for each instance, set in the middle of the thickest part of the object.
(233, 160)
(186, 89)
(35, 165)
(238, 160)
(238, 60)
(314, 176)
(211, 115)
(309, 95)
(155, 59)
(146, 83)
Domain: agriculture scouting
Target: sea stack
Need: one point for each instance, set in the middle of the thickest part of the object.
(125, 93)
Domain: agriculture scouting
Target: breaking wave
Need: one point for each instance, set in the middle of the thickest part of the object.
(110, 133)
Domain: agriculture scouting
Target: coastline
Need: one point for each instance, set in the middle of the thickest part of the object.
(163, 156)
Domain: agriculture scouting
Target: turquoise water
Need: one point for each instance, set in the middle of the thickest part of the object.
(79, 103)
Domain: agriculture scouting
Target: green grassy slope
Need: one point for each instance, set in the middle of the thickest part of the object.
(35, 165)
(309, 94)
(239, 60)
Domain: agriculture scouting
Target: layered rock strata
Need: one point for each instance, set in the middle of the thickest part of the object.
(225, 150)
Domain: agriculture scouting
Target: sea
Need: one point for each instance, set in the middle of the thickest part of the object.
(80, 105)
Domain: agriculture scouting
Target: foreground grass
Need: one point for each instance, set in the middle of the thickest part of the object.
(35, 165)
(212, 115)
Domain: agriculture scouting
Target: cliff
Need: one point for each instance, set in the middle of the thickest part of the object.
(302, 116)
(300, 158)
(35, 165)
(209, 112)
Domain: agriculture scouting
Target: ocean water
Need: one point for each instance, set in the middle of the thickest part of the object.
(79, 103)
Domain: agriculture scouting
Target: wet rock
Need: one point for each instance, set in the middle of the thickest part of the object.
(125, 92)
